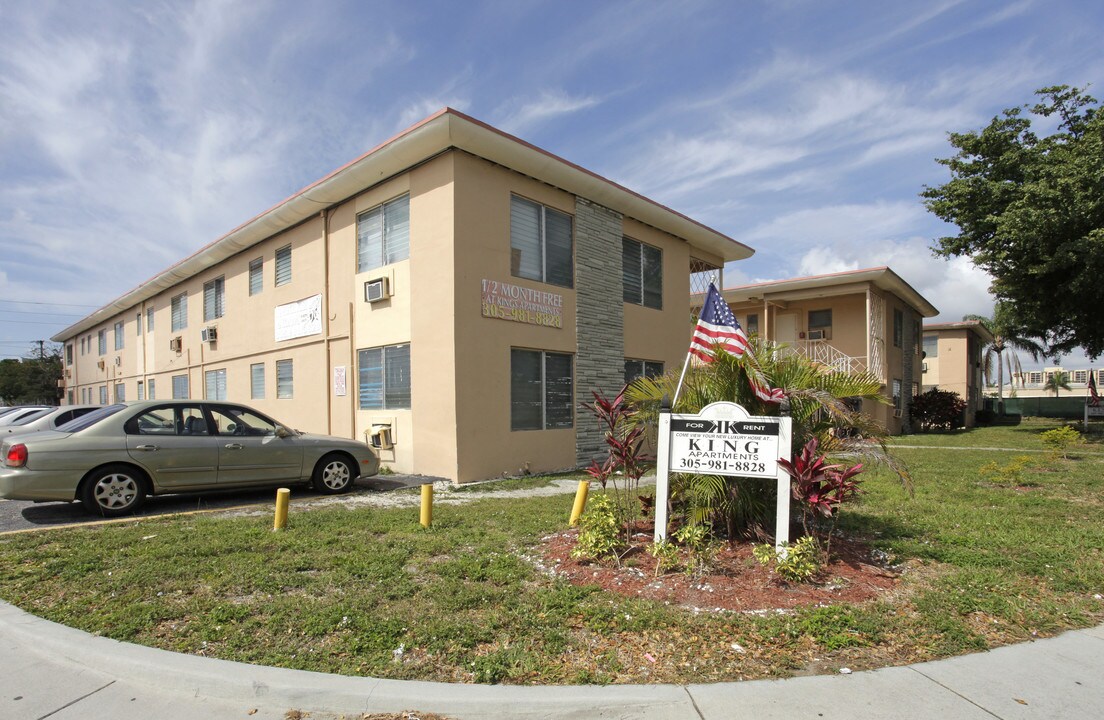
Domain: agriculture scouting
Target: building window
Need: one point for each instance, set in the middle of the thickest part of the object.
(896, 394)
(180, 312)
(383, 378)
(152, 387)
(179, 387)
(141, 390)
(70, 396)
(641, 368)
(149, 319)
(931, 346)
(257, 381)
(915, 389)
(917, 334)
(82, 347)
(103, 394)
(213, 299)
(101, 337)
(1035, 377)
(898, 328)
(284, 379)
(1079, 376)
(138, 323)
(541, 386)
(256, 276)
(69, 354)
(120, 392)
(283, 265)
(119, 338)
(215, 380)
(752, 325)
(642, 274)
(383, 234)
(820, 324)
(540, 243)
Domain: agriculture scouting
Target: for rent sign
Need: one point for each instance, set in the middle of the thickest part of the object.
(747, 448)
(723, 439)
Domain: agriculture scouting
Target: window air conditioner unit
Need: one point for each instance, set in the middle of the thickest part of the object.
(68, 372)
(100, 364)
(118, 360)
(380, 437)
(923, 367)
(176, 344)
(376, 290)
(209, 334)
(816, 335)
(896, 413)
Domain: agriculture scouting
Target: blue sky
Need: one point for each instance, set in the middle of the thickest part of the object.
(131, 134)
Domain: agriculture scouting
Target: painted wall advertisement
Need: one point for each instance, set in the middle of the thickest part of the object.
(299, 319)
(506, 301)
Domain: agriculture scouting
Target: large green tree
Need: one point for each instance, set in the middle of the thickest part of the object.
(1030, 212)
(34, 379)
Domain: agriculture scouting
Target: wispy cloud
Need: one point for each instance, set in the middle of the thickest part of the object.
(521, 115)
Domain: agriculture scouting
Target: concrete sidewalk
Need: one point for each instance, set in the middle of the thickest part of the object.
(52, 671)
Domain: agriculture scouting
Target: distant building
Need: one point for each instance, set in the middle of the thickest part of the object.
(953, 361)
(1030, 383)
(858, 320)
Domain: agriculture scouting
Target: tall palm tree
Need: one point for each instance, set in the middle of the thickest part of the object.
(1057, 381)
(1002, 352)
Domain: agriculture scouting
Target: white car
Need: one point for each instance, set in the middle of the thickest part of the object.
(25, 412)
(49, 420)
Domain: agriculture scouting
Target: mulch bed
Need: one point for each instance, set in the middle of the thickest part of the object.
(735, 580)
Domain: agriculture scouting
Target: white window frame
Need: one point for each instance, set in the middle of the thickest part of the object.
(179, 312)
(391, 364)
(393, 219)
(285, 379)
(256, 276)
(214, 298)
(257, 381)
(214, 384)
(283, 265)
(519, 240)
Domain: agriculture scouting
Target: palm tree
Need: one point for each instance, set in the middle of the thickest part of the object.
(820, 404)
(1002, 351)
(1056, 381)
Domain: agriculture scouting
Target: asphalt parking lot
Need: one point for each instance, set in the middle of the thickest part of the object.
(23, 515)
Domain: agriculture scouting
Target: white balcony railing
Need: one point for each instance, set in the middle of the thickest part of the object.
(821, 351)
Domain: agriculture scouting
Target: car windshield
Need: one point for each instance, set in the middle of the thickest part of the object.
(90, 419)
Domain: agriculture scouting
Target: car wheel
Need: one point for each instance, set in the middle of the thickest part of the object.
(113, 490)
(333, 474)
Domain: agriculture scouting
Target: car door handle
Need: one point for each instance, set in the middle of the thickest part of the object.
(147, 448)
(233, 446)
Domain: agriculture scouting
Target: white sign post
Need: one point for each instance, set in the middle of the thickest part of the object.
(723, 439)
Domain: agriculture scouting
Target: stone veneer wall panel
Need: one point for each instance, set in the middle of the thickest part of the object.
(600, 318)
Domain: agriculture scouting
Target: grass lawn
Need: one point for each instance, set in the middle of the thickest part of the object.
(993, 547)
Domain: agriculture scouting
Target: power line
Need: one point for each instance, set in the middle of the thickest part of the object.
(32, 312)
(52, 304)
(37, 322)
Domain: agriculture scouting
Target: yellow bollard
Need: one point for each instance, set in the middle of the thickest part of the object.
(427, 505)
(580, 501)
(283, 496)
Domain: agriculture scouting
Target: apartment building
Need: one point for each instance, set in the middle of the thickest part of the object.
(857, 320)
(953, 361)
(1032, 383)
(451, 296)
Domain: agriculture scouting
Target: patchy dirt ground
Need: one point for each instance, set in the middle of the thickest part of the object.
(735, 580)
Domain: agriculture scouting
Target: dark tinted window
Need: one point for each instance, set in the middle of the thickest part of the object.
(91, 418)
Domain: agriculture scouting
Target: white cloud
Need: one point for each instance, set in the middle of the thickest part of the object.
(521, 115)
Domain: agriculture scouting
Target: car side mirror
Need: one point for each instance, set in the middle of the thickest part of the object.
(283, 432)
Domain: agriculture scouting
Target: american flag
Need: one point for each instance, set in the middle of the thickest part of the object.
(717, 326)
(1094, 398)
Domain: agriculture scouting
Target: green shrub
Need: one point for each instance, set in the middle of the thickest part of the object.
(697, 538)
(937, 410)
(599, 530)
(799, 562)
(1060, 440)
(666, 555)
